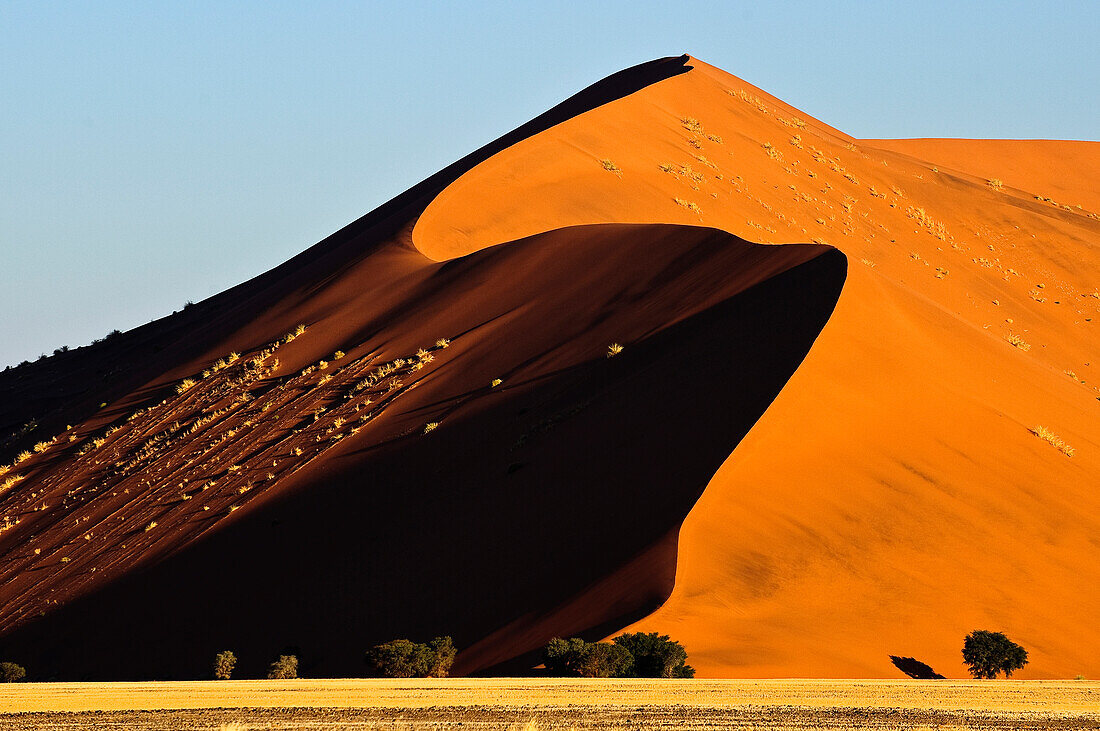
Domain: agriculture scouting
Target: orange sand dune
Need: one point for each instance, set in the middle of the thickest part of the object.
(893, 497)
(890, 498)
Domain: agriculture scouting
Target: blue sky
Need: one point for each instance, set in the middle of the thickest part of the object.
(155, 153)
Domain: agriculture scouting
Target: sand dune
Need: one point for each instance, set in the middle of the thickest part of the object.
(780, 516)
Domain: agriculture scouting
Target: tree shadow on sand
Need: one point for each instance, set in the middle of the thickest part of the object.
(914, 668)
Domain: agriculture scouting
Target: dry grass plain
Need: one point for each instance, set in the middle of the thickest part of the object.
(530, 704)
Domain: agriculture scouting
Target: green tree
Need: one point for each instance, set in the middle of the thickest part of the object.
(407, 659)
(563, 657)
(655, 656)
(443, 653)
(989, 653)
(575, 657)
(11, 672)
(285, 668)
(224, 663)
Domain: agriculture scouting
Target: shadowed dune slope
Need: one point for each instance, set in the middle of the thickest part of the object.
(885, 499)
(357, 524)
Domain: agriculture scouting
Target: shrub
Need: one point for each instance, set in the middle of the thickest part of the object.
(11, 672)
(285, 668)
(989, 653)
(224, 663)
(655, 656)
(407, 659)
(575, 657)
(633, 655)
(1054, 440)
(442, 657)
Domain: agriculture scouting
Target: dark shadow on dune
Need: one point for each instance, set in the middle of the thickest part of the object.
(522, 504)
(915, 668)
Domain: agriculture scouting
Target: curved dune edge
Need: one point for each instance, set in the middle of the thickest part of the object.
(893, 497)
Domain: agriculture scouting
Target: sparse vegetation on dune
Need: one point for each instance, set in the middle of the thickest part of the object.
(1054, 440)
(693, 207)
(171, 468)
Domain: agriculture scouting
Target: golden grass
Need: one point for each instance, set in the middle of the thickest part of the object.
(1066, 697)
(613, 350)
(691, 124)
(1019, 342)
(610, 166)
(688, 205)
(1054, 440)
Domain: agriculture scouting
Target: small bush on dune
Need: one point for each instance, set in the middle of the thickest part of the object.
(11, 672)
(407, 659)
(285, 668)
(224, 663)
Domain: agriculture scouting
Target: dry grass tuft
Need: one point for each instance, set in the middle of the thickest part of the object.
(1054, 440)
(1019, 342)
(996, 183)
(691, 124)
(185, 384)
(688, 205)
(610, 167)
(613, 350)
(431, 426)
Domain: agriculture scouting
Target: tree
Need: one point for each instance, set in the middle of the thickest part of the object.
(11, 672)
(407, 659)
(575, 657)
(224, 663)
(655, 656)
(989, 653)
(562, 657)
(442, 657)
(604, 660)
(285, 668)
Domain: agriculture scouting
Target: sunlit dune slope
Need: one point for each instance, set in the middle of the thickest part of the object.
(364, 479)
(893, 498)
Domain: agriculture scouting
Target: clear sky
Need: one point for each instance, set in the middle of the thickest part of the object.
(153, 153)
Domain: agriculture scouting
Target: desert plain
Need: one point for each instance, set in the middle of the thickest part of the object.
(528, 704)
